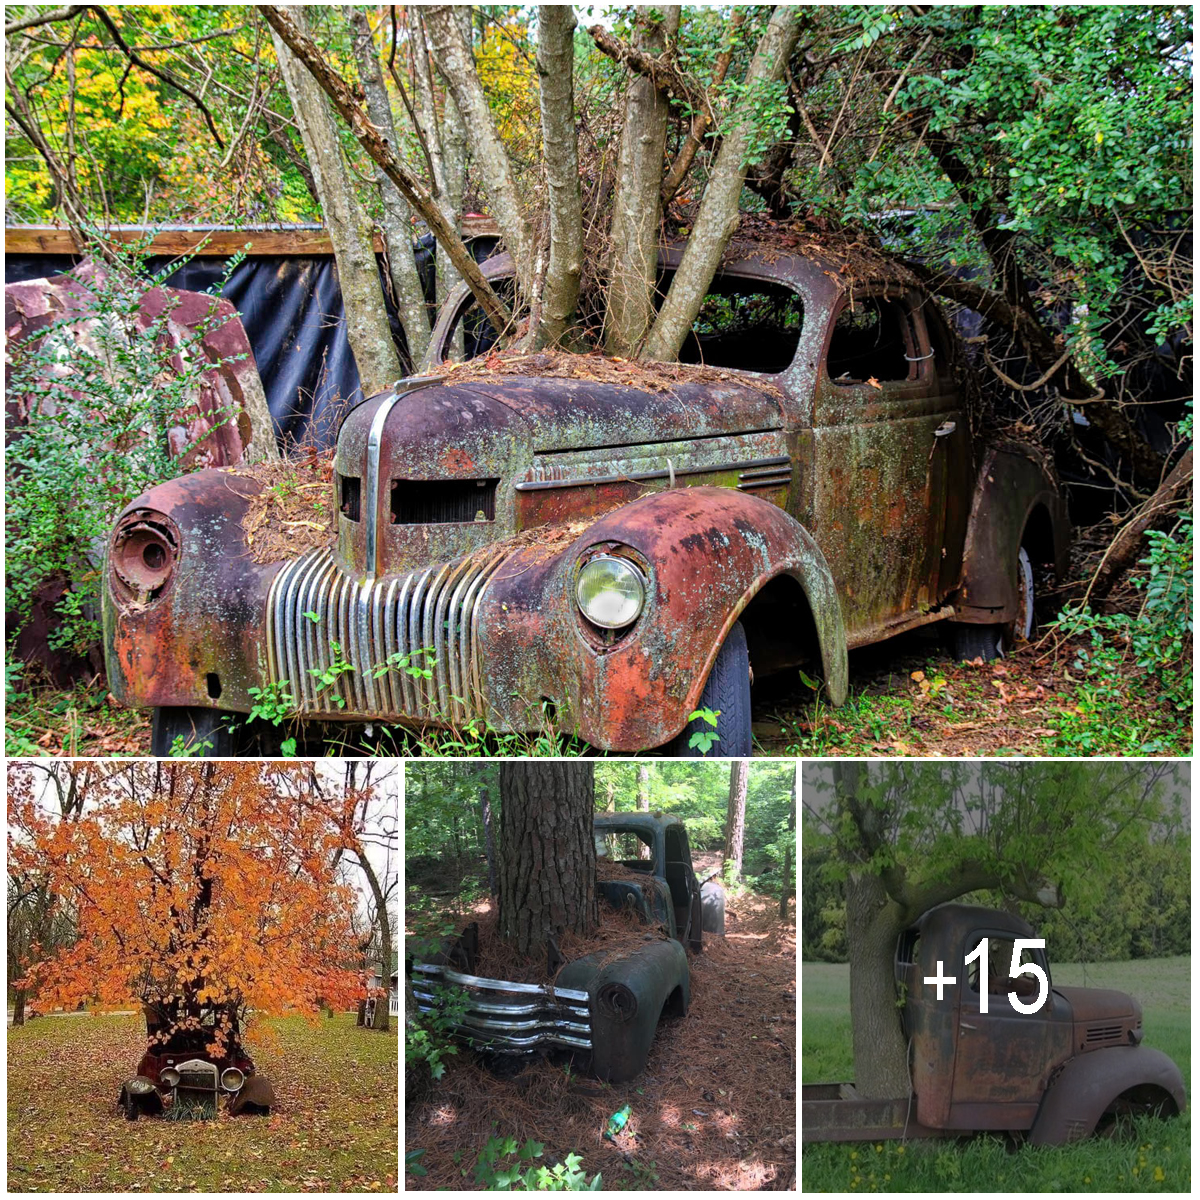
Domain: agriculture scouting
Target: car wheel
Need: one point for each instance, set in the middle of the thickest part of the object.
(727, 693)
(990, 641)
(204, 732)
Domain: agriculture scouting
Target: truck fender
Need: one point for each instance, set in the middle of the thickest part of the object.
(627, 997)
(712, 908)
(1087, 1085)
(1016, 501)
(707, 552)
(140, 1095)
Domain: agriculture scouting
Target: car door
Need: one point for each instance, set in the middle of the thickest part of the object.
(888, 440)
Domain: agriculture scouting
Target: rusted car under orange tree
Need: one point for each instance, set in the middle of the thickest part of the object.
(606, 545)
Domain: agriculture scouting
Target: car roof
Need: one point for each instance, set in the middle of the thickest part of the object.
(635, 820)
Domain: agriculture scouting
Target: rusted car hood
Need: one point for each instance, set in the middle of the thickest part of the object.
(1098, 1004)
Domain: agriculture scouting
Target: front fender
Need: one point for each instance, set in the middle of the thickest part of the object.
(1087, 1085)
(644, 979)
(708, 552)
(1016, 493)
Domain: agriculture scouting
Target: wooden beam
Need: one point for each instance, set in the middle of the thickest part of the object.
(221, 243)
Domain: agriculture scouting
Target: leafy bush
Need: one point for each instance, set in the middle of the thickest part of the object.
(497, 1171)
(102, 394)
(428, 1035)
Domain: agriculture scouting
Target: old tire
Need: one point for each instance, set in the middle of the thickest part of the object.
(991, 641)
(204, 732)
(727, 693)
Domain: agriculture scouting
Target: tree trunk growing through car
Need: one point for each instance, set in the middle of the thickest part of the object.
(735, 819)
(546, 857)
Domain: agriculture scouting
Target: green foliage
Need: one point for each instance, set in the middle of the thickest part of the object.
(428, 1036)
(704, 739)
(497, 1170)
(272, 703)
(100, 406)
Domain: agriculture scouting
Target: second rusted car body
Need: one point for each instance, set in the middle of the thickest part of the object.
(824, 493)
(1054, 1075)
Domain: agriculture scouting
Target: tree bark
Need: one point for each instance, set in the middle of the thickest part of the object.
(789, 884)
(457, 65)
(735, 819)
(411, 188)
(718, 215)
(643, 803)
(547, 859)
(556, 80)
(349, 230)
(397, 216)
(637, 205)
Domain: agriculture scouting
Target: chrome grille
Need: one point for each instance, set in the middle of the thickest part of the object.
(425, 619)
(510, 1018)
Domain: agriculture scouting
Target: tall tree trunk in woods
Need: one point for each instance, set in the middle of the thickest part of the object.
(455, 62)
(489, 838)
(556, 83)
(283, 24)
(637, 206)
(547, 859)
(397, 216)
(349, 230)
(718, 215)
(735, 818)
(788, 883)
(643, 803)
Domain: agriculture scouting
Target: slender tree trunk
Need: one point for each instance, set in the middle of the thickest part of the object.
(643, 803)
(455, 62)
(349, 230)
(547, 859)
(397, 216)
(489, 839)
(556, 81)
(637, 206)
(718, 215)
(19, 1007)
(735, 818)
(788, 887)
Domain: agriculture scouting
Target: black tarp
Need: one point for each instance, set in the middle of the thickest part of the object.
(291, 308)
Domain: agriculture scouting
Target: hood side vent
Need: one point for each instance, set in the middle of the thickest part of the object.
(1098, 1035)
(443, 501)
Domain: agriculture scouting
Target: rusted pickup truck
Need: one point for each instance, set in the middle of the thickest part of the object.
(604, 1007)
(604, 545)
(1055, 1075)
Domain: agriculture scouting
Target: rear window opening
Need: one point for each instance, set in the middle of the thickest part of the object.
(872, 339)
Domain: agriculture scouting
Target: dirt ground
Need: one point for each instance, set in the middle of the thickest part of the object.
(715, 1108)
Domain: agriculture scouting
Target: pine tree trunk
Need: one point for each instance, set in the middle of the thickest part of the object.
(397, 216)
(718, 215)
(455, 62)
(643, 787)
(637, 204)
(349, 230)
(735, 818)
(556, 80)
(547, 859)
(788, 888)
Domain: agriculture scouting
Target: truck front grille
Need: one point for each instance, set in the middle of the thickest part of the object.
(510, 1018)
(330, 636)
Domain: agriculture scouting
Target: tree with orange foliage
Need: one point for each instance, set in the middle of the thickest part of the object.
(197, 889)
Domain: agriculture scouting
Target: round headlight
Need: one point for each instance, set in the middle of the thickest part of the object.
(169, 1076)
(232, 1079)
(610, 591)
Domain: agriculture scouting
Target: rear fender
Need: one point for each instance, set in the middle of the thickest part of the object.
(1016, 490)
(707, 552)
(1087, 1085)
(627, 997)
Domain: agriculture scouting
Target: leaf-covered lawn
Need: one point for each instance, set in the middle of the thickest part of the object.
(335, 1128)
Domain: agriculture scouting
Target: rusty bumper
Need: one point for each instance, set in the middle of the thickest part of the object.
(494, 638)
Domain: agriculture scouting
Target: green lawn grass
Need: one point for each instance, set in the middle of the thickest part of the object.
(1157, 1160)
(335, 1127)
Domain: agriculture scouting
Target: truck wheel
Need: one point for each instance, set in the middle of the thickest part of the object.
(202, 730)
(727, 693)
(990, 641)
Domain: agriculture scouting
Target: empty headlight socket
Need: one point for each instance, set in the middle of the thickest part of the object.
(144, 553)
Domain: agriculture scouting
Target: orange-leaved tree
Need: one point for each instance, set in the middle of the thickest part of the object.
(201, 890)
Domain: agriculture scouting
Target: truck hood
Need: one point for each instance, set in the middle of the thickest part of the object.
(1090, 1005)
(444, 465)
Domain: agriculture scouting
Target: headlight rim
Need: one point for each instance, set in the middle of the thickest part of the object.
(138, 532)
(640, 573)
(241, 1083)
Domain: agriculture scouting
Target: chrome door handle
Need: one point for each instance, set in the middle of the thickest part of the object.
(945, 429)
(964, 1025)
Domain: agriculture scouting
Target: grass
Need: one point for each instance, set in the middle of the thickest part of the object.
(1158, 1159)
(335, 1127)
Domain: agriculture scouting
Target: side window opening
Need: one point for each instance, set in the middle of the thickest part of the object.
(476, 330)
(999, 961)
(872, 339)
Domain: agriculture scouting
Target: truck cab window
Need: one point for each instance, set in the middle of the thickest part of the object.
(873, 338)
(999, 961)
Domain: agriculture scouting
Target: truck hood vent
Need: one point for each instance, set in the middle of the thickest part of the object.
(1098, 1035)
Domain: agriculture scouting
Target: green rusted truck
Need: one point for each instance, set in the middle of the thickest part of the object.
(997, 1046)
(604, 1007)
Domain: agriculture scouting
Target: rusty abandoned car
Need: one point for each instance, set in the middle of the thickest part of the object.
(615, 545)
(604, 1007)
(179, 1076)
(1073, 1067)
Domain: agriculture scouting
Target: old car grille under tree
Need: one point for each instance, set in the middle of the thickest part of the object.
(196, 1091)
(371, 641)
(510, 1018)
